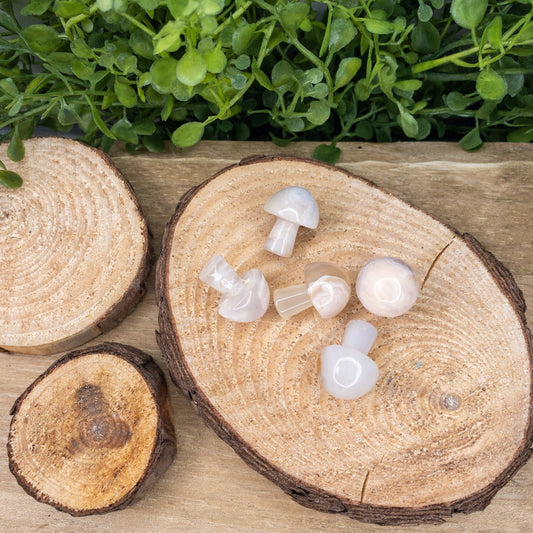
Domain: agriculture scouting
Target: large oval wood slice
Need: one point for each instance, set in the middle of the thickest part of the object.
(74, 248)
(450, 419)
(93, 432)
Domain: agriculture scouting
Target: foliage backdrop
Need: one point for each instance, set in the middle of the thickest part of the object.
(147, 71)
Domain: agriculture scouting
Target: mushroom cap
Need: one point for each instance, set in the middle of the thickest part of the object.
(329, 295)
(346, 373)
(387, 287)
(294, 204)
(248, 300)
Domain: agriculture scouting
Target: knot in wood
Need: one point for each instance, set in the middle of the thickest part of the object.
(450, 401)
(98, 426)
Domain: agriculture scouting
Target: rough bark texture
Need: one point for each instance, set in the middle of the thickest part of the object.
(75, 249)
(446, 412)
(93, 432)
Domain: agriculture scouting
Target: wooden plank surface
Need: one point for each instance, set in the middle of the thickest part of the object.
(209, 488)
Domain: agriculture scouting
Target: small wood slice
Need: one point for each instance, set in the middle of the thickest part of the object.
(450, 419)
(93, 432)
(74, 248)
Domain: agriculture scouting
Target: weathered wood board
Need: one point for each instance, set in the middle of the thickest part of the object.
(209, 488)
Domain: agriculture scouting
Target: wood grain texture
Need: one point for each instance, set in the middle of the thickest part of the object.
(74, 248)
(450, 417)
(488, 194)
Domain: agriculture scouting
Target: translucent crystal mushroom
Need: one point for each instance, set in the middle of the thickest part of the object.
(387, 287)
(244, 298)
(326, 288)
(294, 207)
(346, 371)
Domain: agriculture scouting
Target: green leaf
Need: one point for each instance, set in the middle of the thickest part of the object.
(68, 115)
(69, 8)
(293, 14)
(126, 62)
(409, 124)
(327, 153)
(242, 62)
(154, 144)
(177, 8)
(424, 128)
(167, 108)
(10, 179)
(8, 86)
(295, 124)
(41, 38)
(490, 85)
(212, 7)
(188, 134)
(141, 44)
(82, 69)
(468, 13)
(457, 102)
(123, 131)
(36, 7)
(362, 90)
(471, 141)
(425, 38)
(191, 69)
(342, 33)
(282, 73)
(318, 112)
(16, 150)
(521, 135)
(8, 23)
(168, 39)
(379, 27)
(494, 32)
(348, 68)
(242, 37)
(81, 49)
(261, 77)
(424, 12)
(145, 126)
(215, 60)
(104, 5)
(163, 73)
(319, 91)
(408, 85)
(126, 95)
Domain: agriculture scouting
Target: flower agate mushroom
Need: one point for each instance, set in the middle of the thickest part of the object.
(294, 207)
(326, 288)
(346, 371)
(244, 298)
(387, 287)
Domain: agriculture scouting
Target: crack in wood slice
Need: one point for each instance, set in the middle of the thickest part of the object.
(94, 431)
(74, 248)
(450, 418)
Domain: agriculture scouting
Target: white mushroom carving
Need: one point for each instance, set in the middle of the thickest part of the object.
(387, 287)
(326, 288)
(346, 371)
(244, 298)
(294, 207)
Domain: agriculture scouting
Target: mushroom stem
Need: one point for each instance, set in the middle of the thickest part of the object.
(292, 300)
(217, 273)
(282, 237)
(359, 335)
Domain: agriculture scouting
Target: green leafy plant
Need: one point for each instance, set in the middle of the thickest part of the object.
(147, 71)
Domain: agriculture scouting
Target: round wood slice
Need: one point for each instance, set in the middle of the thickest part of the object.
(74, 248)
(450, 419)
(94, 431)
